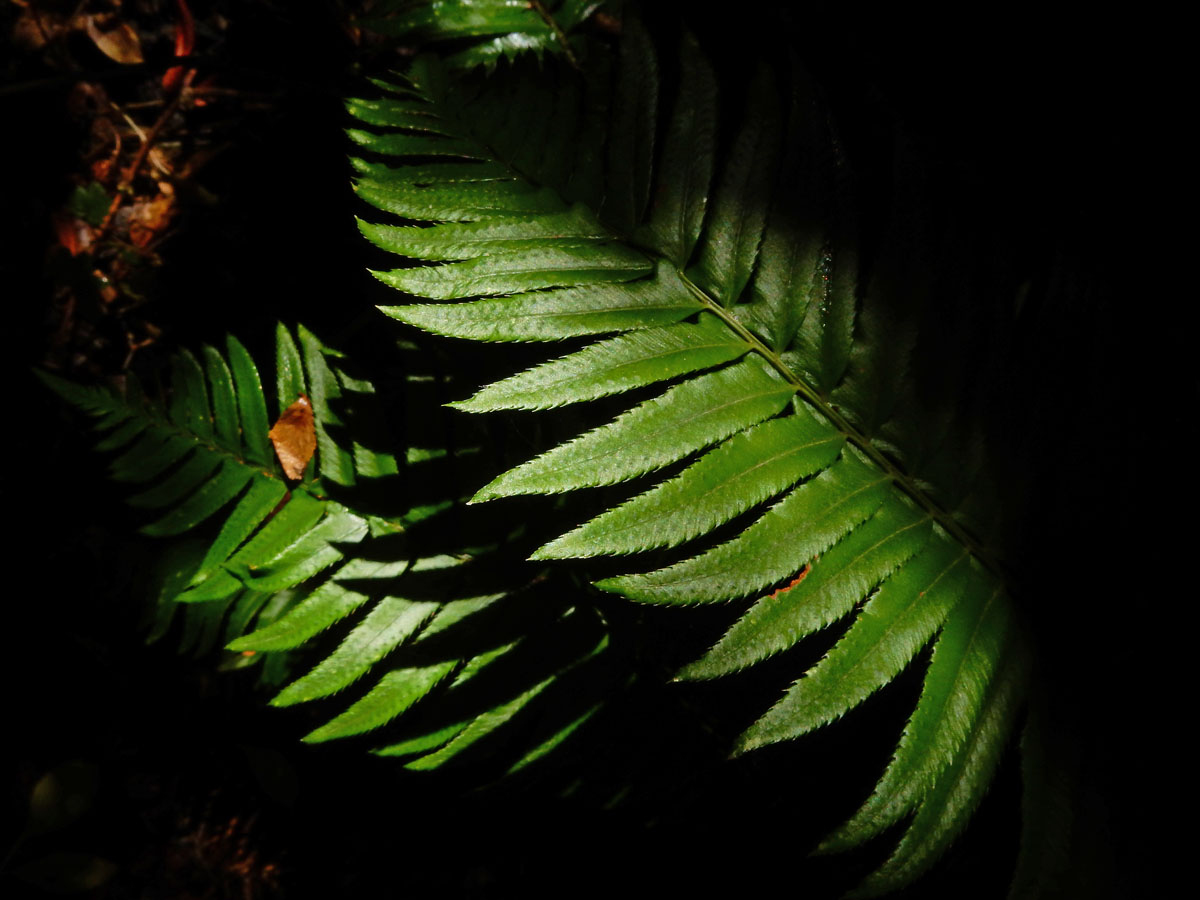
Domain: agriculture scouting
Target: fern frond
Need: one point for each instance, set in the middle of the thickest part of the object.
(289, 562)
(495, 29)
(734, 275)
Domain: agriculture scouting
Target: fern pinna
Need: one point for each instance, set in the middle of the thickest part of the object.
(573, 202)
(291, 561)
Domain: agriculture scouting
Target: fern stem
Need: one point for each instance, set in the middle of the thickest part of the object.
(541, 10)
(893, 470)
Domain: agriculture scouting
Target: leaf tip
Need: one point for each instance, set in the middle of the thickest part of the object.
(559, 548)
(753, 738)
(741, 747)
(614, 585)
(286, 697)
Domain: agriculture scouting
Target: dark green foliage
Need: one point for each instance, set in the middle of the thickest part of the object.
(423, 617)
(739, 284)
(793, 447)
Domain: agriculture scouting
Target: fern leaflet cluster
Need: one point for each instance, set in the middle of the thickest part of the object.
(289, 562)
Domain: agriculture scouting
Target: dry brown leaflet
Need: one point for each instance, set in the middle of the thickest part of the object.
(295, 438)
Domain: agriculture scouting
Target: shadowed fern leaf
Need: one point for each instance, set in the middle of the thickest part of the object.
(574, 204)
(354, 546)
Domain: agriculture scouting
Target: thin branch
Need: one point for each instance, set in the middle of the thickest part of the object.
(896, 473)
(143, 151)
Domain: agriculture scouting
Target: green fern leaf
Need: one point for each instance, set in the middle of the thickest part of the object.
(958, 789)
(966, 657)
(744, 471)
(614, 366)
(836, 583)
(743, 287)
(676, 212)
(894, 624)
(552, 315)
(658, 432)
(735, 224)
(812, 518)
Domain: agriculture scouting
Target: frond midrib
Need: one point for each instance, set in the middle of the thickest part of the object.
(165, 424)
(893, 469)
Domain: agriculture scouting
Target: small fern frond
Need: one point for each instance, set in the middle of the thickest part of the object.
(729, 269)
(291, 562)
(492, 29)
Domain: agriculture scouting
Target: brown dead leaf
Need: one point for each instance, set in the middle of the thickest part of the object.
(114, 38)
(150, 216)
(31, 30)
(295, 438)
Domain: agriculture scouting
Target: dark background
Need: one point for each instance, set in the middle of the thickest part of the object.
(1046, 128)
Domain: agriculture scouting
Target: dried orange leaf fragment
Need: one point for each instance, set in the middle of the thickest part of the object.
(117, 40)
(295, 437)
